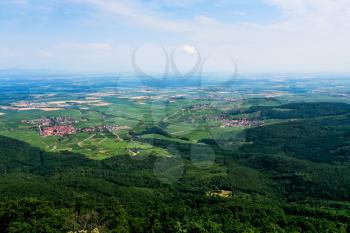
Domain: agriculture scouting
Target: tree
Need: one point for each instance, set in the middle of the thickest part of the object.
(116, 218)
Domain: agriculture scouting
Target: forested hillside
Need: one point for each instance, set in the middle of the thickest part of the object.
(286, 177)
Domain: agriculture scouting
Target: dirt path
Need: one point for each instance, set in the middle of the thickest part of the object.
(103, 140)
(178, 132)
(168, 117)
(80, 144)
(118, 138)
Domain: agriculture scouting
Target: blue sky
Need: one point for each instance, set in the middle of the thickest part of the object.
(103, 35)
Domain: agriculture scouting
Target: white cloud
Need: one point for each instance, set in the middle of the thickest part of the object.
(290, 6)
(312, 37)
(134, 13)
(304, 8)
(189, 49)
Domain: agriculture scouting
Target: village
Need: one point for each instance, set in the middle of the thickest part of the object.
(64, 126)
(241, 123)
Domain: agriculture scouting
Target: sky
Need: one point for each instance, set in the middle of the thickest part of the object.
(181, 36)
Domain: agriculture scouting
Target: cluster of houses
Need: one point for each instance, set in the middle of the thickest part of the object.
(109, 128)
(52, 121)
(54, 126)
(38, 122)
(64, 126)
(241, 123)
(60, 130)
